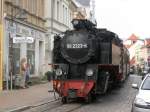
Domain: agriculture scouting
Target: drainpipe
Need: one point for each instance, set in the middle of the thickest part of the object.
(51, 32)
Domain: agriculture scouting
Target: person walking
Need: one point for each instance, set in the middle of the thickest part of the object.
(27, 75)
(23, 72)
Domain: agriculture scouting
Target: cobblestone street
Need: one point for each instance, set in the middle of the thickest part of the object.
(119, 100)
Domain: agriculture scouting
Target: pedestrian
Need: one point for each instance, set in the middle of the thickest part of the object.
(27, 75)
(23, 72)
(139, 70)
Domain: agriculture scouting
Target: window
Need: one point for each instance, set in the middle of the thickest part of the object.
(33, 2)
(41, 7)
(146, 84)
(133, 42)
(71, 19)
(16, 59)
(30, 6)
(63, 13)
(58, 10)
(21, 3)
(16, 2)
(1, 7)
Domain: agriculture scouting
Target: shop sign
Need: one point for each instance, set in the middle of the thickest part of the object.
(23, 30)
(23, 39)
(19, 29)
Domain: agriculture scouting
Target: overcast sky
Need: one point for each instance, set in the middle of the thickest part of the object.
(124, 17)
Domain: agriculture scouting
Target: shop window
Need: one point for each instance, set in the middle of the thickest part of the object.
(16, 59)
(31, 57)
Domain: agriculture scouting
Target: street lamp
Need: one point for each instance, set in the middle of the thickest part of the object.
(1, 44)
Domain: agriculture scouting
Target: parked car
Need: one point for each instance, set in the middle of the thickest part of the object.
(141, 102)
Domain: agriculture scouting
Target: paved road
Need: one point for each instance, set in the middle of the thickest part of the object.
(119, 100)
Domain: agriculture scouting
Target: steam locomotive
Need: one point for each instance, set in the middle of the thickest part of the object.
(87, 61)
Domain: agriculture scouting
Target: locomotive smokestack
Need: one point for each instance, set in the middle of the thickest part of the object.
(82, 24)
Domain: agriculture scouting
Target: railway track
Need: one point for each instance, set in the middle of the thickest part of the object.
(54, 106)
(63, 108)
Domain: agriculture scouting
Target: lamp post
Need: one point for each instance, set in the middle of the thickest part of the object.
(1, 44)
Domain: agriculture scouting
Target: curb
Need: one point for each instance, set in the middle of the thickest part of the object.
(19, 109)
(23, 108)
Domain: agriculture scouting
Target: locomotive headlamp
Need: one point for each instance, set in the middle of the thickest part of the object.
(75, 22)
(58, 72)
(89, 72)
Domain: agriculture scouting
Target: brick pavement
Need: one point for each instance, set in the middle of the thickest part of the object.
(10, 100)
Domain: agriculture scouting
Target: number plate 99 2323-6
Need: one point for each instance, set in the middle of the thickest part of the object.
(76, 46)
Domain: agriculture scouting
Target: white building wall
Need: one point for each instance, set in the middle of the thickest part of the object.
(56, 22)
(135, 50)
(127, 42)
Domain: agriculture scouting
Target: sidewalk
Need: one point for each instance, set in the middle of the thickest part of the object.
(33, 95)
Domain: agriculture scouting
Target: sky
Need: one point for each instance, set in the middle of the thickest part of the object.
(124, 17)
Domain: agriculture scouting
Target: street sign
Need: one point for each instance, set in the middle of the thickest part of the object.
(23, 39)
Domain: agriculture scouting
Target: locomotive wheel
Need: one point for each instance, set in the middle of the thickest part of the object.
(88, 98)
(64, 100)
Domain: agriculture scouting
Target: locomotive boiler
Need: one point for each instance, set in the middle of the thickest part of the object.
(88, 61)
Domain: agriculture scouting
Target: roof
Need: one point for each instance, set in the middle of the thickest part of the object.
(133, 37)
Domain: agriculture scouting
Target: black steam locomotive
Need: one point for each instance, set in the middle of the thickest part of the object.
(87, 61)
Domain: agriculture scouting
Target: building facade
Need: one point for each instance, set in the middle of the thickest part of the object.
(58, 15)
(76, 11)
(134, 45)
(89, 6)
(23, 19)
(145, 54)
(139, 51)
